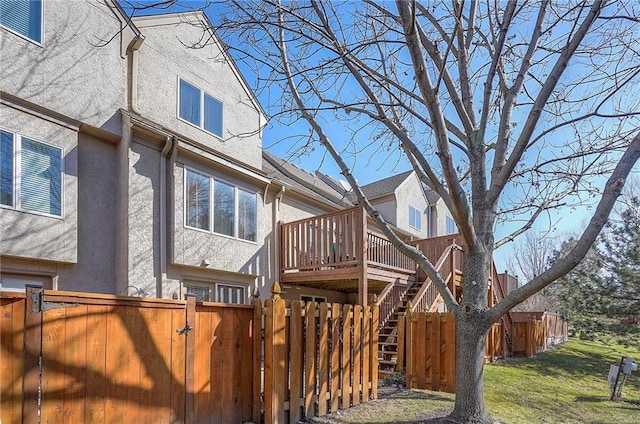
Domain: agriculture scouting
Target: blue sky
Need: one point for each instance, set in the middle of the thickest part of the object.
(284, 141)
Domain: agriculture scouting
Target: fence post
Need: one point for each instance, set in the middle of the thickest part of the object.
(257, 356)
(190, 348)
(274, 357)
(408, 328)
(32, 353)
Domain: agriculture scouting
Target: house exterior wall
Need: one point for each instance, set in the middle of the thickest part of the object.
(33, 235)
(388, 208)
(74, 71)
(411, 193)
(165, 57)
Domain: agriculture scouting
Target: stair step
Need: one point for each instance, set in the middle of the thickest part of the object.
(387, 362)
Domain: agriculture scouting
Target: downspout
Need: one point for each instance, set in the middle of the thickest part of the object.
(169, 145)
(132, 72)
(276, 232)
(122, 207)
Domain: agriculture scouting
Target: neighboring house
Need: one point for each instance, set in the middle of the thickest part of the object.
(406, 203)
(132, 164)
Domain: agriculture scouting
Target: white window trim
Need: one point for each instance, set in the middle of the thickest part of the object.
(411, 214)
(31, 40)
(17, 175)
(236, 221)
(213, 288)
(222, 283)
(314, 297)
(201, 119)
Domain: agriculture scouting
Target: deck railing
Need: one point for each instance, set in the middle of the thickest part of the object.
(389, 299)
(334, 240)
(428, 292)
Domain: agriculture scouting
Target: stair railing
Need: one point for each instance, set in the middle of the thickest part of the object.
(499, 294)
(389, 299)
(428, 293)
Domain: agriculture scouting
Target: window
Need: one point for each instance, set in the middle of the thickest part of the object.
(317, 299)
(230, 294)
(200, 109)
(18, 282)
(234, 209)
(30, 175)
(224, 293)
(451, 226)
(415, 218)
(23, 17)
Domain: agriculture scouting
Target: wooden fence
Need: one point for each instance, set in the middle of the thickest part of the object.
(428, 338)
(77, 357)
(318, 358)
(534, 332)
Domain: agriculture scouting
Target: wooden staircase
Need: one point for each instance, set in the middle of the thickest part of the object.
(388, 335)
(395, 300)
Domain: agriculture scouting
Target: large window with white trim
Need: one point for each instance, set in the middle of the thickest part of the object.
(23, 17)
(214, 204)
(30, 174)
(199, 108)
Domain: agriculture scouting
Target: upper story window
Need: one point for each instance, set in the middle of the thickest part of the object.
(214, 204)
(415, 218)
(23, 17)
(200, 109)
(451, 226)
(30, 175)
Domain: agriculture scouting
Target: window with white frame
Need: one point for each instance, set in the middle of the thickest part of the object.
(451, 226)
(218, 205)
(218, 292)
(199, 108)
(23, 17)
(30, 174)
(415, 218)
(309, 298)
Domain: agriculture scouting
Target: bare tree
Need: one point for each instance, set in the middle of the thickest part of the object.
(507, 110)
(531, 254)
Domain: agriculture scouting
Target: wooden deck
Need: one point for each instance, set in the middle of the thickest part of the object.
(341, 251)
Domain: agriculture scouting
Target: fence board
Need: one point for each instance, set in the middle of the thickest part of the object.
(297, 373)
(335, 357)
(310, 360)
(357, 354)
(347, 322)
(366, 346)
(323, 377)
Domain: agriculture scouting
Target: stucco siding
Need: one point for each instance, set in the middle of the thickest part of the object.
(166, 57)
(31, 235)
(196, 248)
(387, 208)
(95, 270)
(411, 193)
(78, 70)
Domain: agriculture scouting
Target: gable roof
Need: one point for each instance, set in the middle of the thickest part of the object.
(302, 181)
(385, 186)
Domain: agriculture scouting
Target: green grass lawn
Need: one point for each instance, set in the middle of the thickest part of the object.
(564, 385)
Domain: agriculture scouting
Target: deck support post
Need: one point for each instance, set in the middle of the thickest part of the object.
(361, 242)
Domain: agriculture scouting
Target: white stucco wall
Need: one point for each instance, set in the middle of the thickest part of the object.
(74, 71)
(165, 57)
(410, 193)
(27, 234)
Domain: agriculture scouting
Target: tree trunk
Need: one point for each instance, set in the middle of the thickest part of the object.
(471, 336)
(470, 343)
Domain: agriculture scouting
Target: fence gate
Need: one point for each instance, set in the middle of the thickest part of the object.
(88, 358)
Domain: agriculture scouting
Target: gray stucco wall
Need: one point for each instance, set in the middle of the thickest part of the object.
(75, 71)
(32, 235)
(165, 57)
(95, 270)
